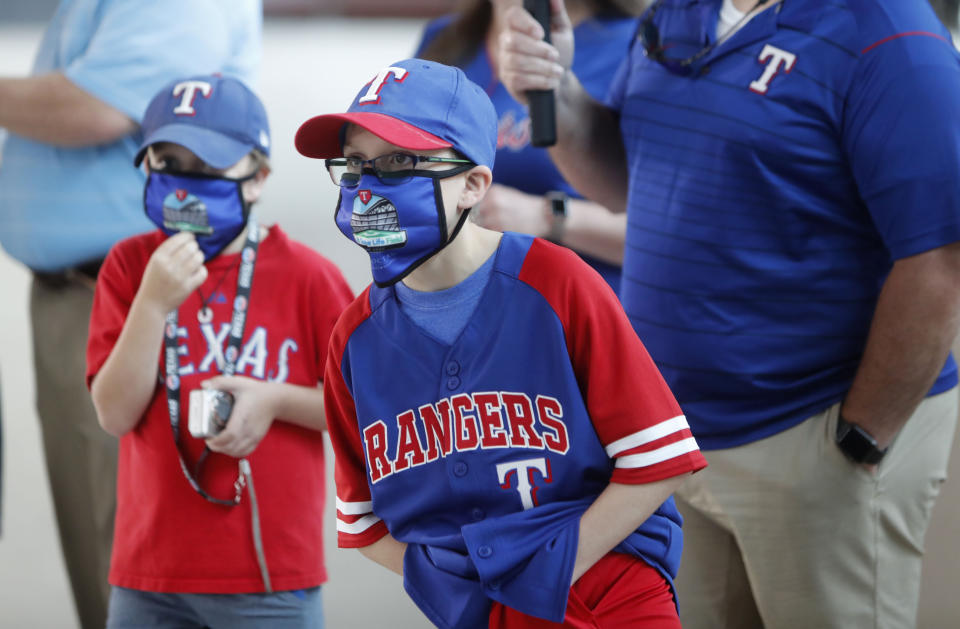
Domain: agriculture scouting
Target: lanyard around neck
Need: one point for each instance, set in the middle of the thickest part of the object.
(241, 302)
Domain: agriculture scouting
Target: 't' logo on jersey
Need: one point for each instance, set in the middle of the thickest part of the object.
(776, 61)
(523, 471)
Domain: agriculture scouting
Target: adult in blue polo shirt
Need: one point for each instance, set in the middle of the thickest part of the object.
(791, 174)
(529, 195)
(68, 192)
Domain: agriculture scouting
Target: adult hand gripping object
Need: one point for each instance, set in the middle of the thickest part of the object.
(543, 117)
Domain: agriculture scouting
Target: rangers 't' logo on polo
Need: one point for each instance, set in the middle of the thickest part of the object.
(776, 60)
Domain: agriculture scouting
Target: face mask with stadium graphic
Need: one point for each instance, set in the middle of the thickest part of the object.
(211, 207)
(399, 225)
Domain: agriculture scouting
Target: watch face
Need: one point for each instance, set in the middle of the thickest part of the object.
(854, 446)
(857, 445)
(559, 207)
(558, 203)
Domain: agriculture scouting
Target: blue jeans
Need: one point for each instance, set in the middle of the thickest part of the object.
(297, 609)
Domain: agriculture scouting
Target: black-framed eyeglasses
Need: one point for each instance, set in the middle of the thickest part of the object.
(391, 169)
(654, 49)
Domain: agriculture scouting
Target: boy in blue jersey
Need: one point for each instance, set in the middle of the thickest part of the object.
(791, 173)
(478, 449)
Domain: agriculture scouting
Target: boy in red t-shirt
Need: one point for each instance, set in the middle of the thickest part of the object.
(209, 293)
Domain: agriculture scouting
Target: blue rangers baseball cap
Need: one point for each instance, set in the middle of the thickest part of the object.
(217, 117)
(417, 105)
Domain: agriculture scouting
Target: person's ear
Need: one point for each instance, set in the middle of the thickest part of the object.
(253, 188)
(477, 182)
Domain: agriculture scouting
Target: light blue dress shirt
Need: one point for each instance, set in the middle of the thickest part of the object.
(60, 207)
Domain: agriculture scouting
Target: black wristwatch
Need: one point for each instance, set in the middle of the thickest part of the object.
(559, 209)
(857, 444)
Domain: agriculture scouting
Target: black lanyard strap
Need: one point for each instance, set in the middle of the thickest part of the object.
(238, 321)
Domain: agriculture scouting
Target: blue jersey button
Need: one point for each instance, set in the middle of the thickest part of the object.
(477, 514)
(459, 468)
(453, 382)
(485, 551)
(453, 368)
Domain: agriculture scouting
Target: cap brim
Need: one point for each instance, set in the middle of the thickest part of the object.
(215, 149)
(319, 137)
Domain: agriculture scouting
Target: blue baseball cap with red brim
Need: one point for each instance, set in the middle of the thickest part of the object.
(414, 104)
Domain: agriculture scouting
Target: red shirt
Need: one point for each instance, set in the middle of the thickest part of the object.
(167, 538)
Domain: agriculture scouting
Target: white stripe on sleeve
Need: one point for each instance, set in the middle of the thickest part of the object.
(657, 431)
(354, 508)
(355, 528)
(646, 459)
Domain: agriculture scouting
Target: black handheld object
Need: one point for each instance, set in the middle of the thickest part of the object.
(543, 115)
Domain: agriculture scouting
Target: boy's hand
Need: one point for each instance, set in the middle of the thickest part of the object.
(174, 271)
(253, 413)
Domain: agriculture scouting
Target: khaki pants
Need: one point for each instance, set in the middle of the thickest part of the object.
(786, 532)
(81, 458)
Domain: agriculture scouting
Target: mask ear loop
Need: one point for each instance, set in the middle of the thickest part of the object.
(456, 230)
(246, 205)
(437, 175)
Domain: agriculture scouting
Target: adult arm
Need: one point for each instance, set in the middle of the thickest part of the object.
(595, 230)
(589, 150)
(902, 138)
(589, 227)
(98, 96)
(915, 323)
(52, 109)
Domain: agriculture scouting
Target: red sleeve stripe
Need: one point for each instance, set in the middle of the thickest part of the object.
(354, 508)
(355, 528)
(898, 36)
(648, 435)
(646, 459)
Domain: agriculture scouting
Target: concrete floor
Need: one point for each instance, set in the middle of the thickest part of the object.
(305, 72)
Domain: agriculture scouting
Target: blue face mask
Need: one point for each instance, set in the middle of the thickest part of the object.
(211, 207)
(400, 225)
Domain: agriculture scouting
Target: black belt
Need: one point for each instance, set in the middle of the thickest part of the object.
(59, 279)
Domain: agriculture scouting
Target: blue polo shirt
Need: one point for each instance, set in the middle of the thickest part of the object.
(601, 43)
(772, 189)
(60, 207)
